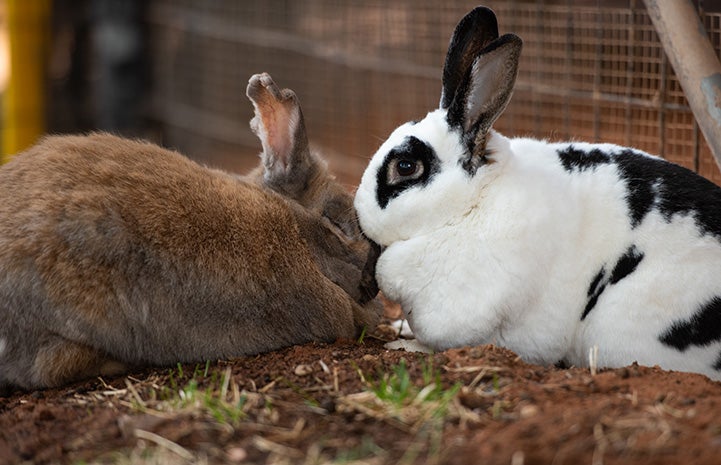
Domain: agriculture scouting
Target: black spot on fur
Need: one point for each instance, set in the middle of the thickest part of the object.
(592, 301)
(596, 281)
(626, 264)
(672, 189)
(412, 149)
(701, 329)
(578, 160)
(594, 291)
(655, 183)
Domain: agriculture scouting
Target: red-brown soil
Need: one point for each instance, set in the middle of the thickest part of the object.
(313, 404)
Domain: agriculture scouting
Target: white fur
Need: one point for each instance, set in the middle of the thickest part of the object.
(506, 256)
(447, 196)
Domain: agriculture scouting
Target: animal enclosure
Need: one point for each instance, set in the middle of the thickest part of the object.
(589, 70)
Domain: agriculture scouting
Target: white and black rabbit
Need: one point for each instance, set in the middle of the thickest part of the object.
(118, 253)
(549, 249)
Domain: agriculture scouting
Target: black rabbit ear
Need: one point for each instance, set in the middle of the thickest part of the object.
(478, 80)
(279, 124)
(472, 34)
(487, 89)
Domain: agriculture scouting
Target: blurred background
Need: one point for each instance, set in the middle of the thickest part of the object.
(175, 72)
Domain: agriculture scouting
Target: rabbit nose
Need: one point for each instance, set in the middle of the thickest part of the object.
(368, 286)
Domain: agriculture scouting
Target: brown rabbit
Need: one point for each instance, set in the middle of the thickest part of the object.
(117, 253)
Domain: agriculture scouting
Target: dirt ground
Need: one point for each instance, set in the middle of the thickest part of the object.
(354, 402)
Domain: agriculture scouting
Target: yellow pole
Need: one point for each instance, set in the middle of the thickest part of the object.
(23, 103)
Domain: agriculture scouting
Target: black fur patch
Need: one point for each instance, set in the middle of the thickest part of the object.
(672, 189)
(412, 149)
(596, 281)
(592, 299)
(578, 160)
(655, 183)
(701, 329)
(625, 265)
(594, 291)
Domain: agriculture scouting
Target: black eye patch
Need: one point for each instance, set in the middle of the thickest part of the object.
(409, 164)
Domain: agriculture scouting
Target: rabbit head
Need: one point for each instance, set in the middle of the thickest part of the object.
(419, 178)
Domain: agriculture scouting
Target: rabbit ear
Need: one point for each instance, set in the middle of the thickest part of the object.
(478, 79)
(472, 34)
(279, 124)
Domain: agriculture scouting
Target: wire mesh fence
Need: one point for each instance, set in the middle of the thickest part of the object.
(590, 70)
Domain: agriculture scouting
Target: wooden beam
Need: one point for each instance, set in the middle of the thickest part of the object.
(694, 61)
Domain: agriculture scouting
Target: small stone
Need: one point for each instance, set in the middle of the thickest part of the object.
(472, 400)
(303, 370)
(237, 454)
(528, 411)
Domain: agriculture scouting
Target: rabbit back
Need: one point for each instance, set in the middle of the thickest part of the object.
(571, 246)
(145, 257)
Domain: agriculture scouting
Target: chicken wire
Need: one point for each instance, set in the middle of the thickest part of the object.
(589, 70)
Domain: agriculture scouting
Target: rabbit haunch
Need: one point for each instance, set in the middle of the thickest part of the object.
(549, 249)
(117, 253)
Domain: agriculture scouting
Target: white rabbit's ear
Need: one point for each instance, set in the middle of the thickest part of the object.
(279, 124)
(478, 79)
(472, 34)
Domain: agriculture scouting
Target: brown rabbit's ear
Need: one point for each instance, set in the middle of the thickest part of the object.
(279, 124)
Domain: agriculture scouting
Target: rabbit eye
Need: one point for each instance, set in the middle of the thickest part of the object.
(406, 167)
(408, 164)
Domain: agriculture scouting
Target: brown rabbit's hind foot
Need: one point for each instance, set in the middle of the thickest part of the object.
(62, 362)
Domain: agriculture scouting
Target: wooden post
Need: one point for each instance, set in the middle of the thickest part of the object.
(694, 61)
(23, 102)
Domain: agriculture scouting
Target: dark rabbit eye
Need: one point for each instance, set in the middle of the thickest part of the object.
(408, 164)
(406, 167)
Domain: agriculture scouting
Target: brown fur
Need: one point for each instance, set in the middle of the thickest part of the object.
(119, 250)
